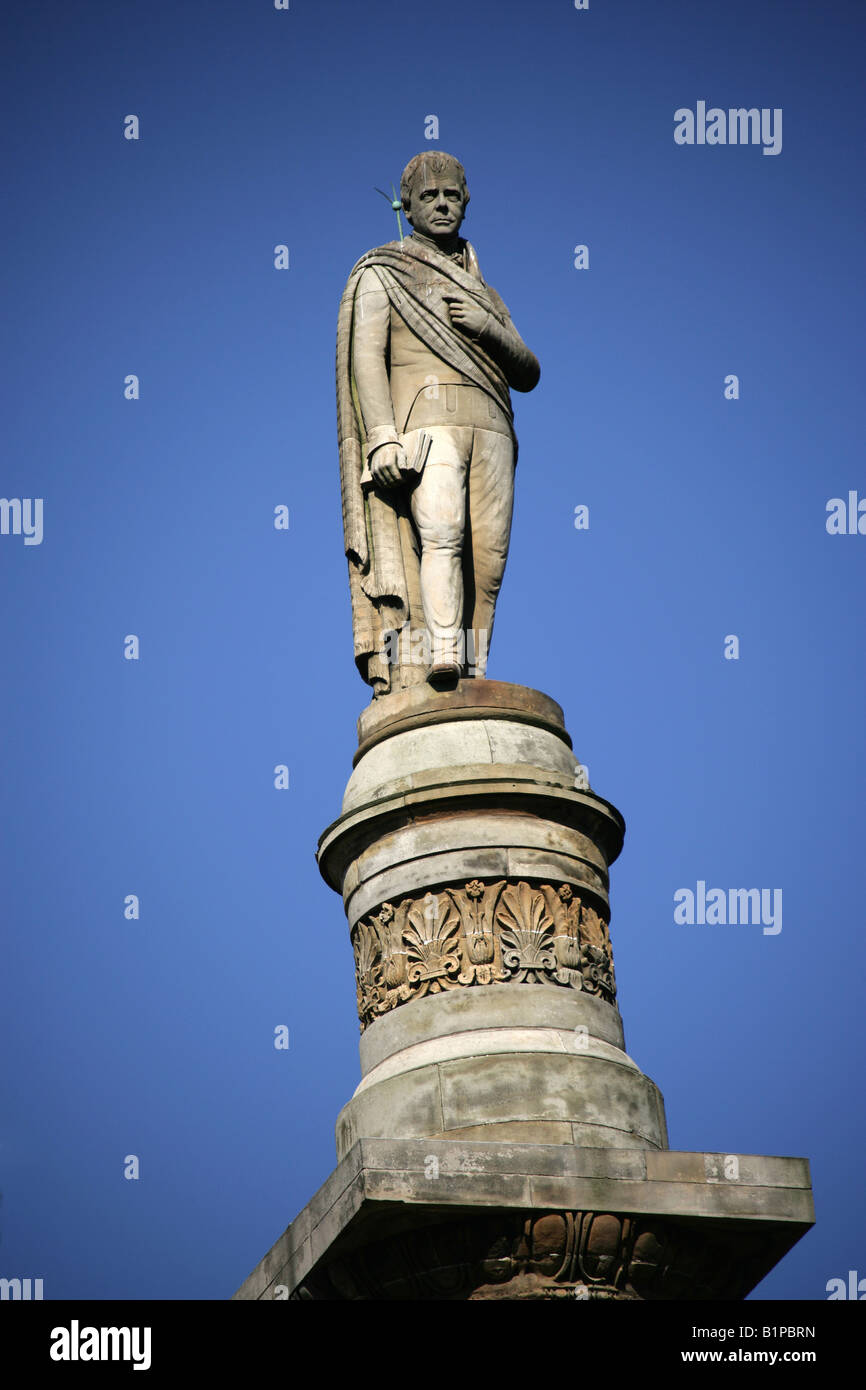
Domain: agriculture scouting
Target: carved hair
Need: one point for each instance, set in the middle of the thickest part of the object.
(436, 162)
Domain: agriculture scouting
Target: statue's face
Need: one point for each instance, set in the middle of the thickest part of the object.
(437, 204)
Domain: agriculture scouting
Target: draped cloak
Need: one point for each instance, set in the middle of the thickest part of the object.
(380, 544)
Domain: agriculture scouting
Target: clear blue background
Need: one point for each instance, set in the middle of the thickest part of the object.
(707, 517)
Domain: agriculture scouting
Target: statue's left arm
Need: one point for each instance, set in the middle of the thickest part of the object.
(505, 345)
(498, 337)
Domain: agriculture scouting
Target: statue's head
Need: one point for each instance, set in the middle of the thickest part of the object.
(434, 193)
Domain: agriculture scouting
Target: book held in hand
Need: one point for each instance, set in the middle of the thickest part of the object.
(417, 457)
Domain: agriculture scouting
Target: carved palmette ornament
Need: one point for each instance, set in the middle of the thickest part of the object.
(526, 933)
(366, 946)
(394, 954)
(549, 1256)
(432, 942)
(476, 906)
(480, 934)
(596, 955)
(565, 909)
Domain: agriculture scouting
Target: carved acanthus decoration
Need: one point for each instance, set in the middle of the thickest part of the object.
(480, 934)
(431, 935)
(526, 934)
(476, 908)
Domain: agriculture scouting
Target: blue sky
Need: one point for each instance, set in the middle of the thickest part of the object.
(707, 518)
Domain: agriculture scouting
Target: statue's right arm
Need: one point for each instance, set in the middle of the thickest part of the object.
(370, 343)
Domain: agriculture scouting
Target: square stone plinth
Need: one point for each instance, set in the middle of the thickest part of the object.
(448, 1219)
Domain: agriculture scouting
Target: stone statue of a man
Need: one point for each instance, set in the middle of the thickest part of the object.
(426, 354)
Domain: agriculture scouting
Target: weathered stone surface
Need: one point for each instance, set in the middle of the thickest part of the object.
(412, 872)
(597, 1092)
(491, 1042)
(422, 706)
(566, 1223)
(471, 828)
(396, 762)
(448, 799)
(487, 1007)
(535, 1086)
(397, 828)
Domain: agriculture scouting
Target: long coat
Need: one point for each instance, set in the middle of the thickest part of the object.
(380, 545)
